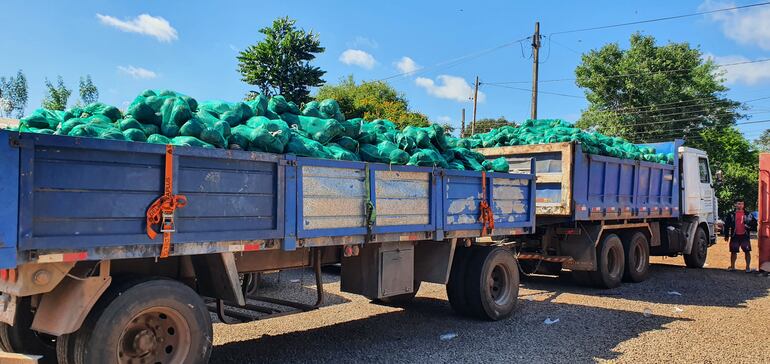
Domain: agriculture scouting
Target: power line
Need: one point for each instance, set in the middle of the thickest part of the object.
(456, 61)
(641, 73)
(697, 128)
(530, 90)
(661, 19)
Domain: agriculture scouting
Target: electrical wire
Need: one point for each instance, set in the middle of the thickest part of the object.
(661, 19)
(530, 90)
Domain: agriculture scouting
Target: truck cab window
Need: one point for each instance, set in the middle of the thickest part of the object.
(703, 167)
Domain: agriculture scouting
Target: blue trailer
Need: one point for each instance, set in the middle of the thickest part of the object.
(602, 217)
(83, 279)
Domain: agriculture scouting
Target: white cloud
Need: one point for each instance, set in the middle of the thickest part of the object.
(363, 42)
(747, 26)
(358, 57)
(748, 74)
(449, 87)
(146, 24)
(137, 72)
(407, 65)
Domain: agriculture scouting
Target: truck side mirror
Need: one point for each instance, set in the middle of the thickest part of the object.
(719, 176)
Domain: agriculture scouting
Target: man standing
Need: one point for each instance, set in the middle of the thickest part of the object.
(737, 229)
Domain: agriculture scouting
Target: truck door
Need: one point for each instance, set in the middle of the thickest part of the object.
(698, 193)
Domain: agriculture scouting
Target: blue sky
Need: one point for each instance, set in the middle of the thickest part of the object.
(191, 47)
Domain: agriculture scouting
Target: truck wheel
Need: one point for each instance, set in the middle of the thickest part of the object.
(151, 320)
(637, 249)
(492, 284)
(610, 263)
(401, 299)
(697, 256)
(455, 288)
(19, 338)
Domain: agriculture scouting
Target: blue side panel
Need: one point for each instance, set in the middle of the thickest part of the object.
(9, 200)
(80, 193)
(612, 188)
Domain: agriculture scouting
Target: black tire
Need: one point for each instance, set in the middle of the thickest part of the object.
(401, 299)
(455, 288)
(19, 338)
(610, 260)
(492, 284)
(637, 257)
(699, 252)
(65, 349)
(130, 319)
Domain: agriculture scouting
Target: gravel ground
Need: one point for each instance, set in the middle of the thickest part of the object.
(708, 315)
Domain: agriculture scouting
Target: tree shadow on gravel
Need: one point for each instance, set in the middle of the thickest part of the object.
(699, 287)
(582, 334)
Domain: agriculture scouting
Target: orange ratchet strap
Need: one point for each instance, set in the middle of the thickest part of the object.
(486, 217)
(162, 210)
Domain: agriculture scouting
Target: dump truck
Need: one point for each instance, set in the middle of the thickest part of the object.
(602, 217)
(114, 251)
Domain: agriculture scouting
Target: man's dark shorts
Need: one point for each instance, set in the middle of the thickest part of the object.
(740, 242)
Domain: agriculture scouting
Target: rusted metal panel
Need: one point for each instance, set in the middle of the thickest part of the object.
(332, 197)
(403, 198)
(553, 167)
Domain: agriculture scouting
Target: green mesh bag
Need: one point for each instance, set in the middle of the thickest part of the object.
(99, 108)
(312, 108)
(427, 157)
(348, 143)
(136, 135)
(339, 153)
(330, 109)
(188, 141)
(321, 130)
(158, 139)
(306, 147)
(385, 152)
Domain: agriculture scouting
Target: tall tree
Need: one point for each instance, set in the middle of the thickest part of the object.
(6, 102)
(280, 63)
(763, 142)
(649, 92)
(731, 153)
(13, 95)
(372, 100)
(88, 91)
(57, 96)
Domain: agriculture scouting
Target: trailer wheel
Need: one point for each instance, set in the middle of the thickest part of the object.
(698, 254)
(19, 338)
(610, 263)
(492, 284)
(637, 252)
(150, 320)
(455, 288)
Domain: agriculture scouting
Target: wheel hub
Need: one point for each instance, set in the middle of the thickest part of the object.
(156, 335)
(498, 284)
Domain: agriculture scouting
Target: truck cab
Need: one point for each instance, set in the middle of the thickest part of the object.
(699, 198)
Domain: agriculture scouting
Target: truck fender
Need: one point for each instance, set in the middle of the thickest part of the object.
(217, 276)
(689, 228)
(63, 310)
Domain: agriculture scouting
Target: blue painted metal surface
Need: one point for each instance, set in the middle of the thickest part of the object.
(9, 200)
(606, 188)
(80, 194)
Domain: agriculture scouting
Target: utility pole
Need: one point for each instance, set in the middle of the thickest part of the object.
(462, 124)
(535, 66)
(475, 102)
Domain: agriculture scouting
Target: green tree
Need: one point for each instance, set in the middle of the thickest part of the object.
(13, 95)
(372, 100)
(651, 93)
(763, 142)
(487, 124)
(730, 152)
(88, 91)
(280, 63)
(57, 96)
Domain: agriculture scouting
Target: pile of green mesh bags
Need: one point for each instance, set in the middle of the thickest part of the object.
(272, 125)
(559, 131)
(318, 129)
